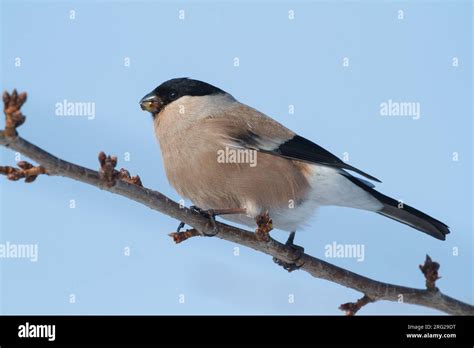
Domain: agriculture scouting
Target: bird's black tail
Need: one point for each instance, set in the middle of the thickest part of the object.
(404, 213)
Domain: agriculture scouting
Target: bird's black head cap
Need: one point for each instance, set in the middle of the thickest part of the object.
(176, 88)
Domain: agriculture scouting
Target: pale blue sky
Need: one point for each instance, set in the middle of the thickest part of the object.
(282, 62)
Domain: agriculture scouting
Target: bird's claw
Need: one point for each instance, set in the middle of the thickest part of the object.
(180, 226)
(291, 266)
(210, 214)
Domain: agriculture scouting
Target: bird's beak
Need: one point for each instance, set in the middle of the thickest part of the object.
(151, 103)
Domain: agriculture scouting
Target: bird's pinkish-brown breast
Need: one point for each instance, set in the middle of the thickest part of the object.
(202, 166)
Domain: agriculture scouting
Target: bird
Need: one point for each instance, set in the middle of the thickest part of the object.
(225, 156)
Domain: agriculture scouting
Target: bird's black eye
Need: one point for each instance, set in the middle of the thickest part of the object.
(173, 94)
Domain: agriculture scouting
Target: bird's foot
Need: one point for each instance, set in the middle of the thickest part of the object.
(180, 226)
(211, 215)
(294, 265)
(206, 213)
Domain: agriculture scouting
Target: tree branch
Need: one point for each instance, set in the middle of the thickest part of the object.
(120, 182)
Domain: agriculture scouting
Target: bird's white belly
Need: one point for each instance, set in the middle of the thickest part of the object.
(328, 187)
(291, 219)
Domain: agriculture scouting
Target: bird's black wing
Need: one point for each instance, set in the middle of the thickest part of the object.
(301, 149)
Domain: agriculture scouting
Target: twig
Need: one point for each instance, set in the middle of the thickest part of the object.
(430, 271)
(351, 308)
(180, 237)
(264, 227)
(124, 175)
(318, 268)
(13, 116)
(109, 175)
(26, 170)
